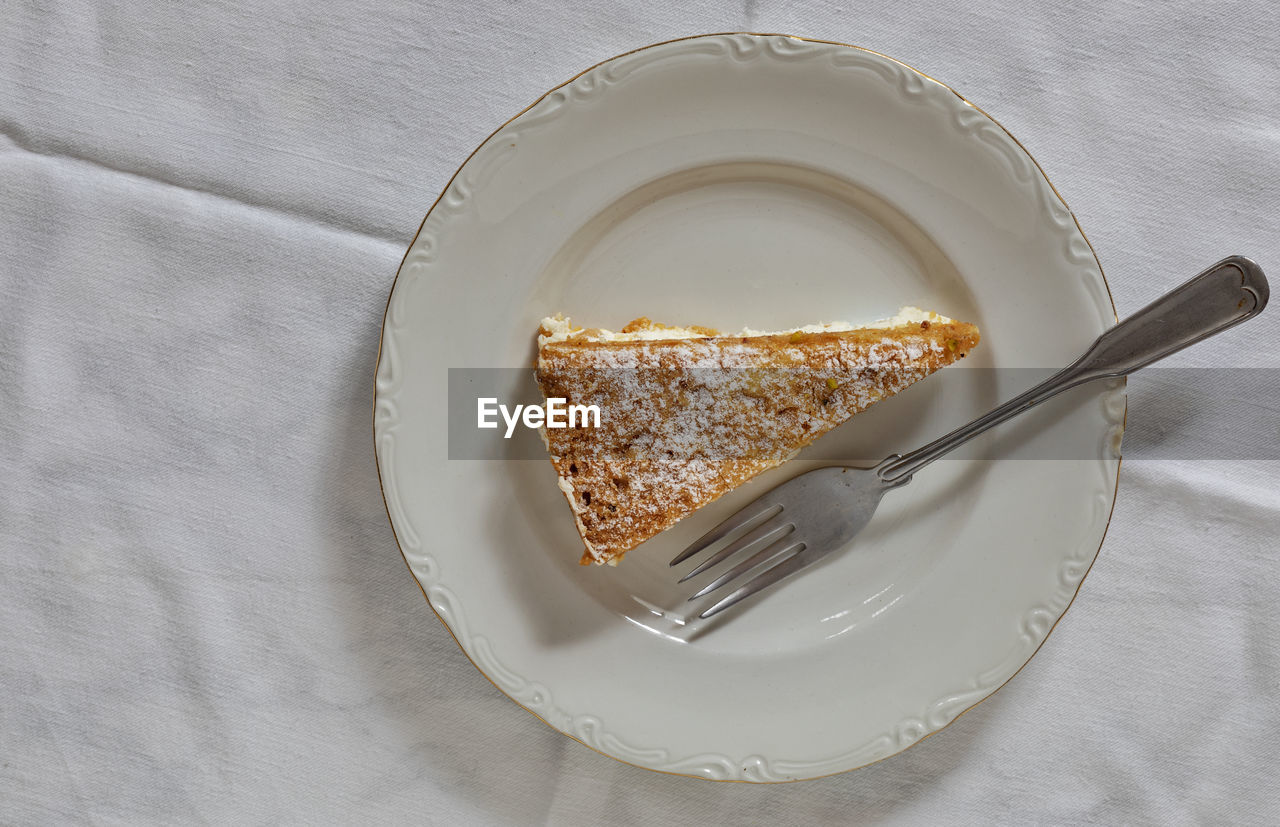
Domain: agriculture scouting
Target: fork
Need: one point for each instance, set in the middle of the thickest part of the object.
(801, 521)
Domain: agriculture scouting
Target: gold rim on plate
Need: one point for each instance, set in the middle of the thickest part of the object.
(391, 292)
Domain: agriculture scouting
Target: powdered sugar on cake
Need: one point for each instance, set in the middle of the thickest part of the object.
(688, 414)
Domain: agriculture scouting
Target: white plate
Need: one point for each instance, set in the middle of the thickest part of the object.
(765, 181)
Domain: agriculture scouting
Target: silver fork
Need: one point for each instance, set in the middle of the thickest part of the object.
(803, 520)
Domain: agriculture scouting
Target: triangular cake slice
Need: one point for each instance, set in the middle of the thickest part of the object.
(688, 413)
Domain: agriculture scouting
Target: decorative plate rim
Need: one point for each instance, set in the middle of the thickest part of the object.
(1036, 624)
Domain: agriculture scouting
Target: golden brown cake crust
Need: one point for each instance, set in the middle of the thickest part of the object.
(684, 421)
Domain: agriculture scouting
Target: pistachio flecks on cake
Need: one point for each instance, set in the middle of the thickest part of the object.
(690, 413)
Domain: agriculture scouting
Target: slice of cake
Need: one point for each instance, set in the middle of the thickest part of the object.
(689, 413)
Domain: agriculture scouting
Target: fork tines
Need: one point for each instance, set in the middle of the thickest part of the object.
(789, 561)
(762, 536)
(746, 519)
(757, 530)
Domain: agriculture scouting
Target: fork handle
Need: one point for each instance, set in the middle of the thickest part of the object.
(1228, 293)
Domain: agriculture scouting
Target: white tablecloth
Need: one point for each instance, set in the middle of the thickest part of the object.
(205, 616)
